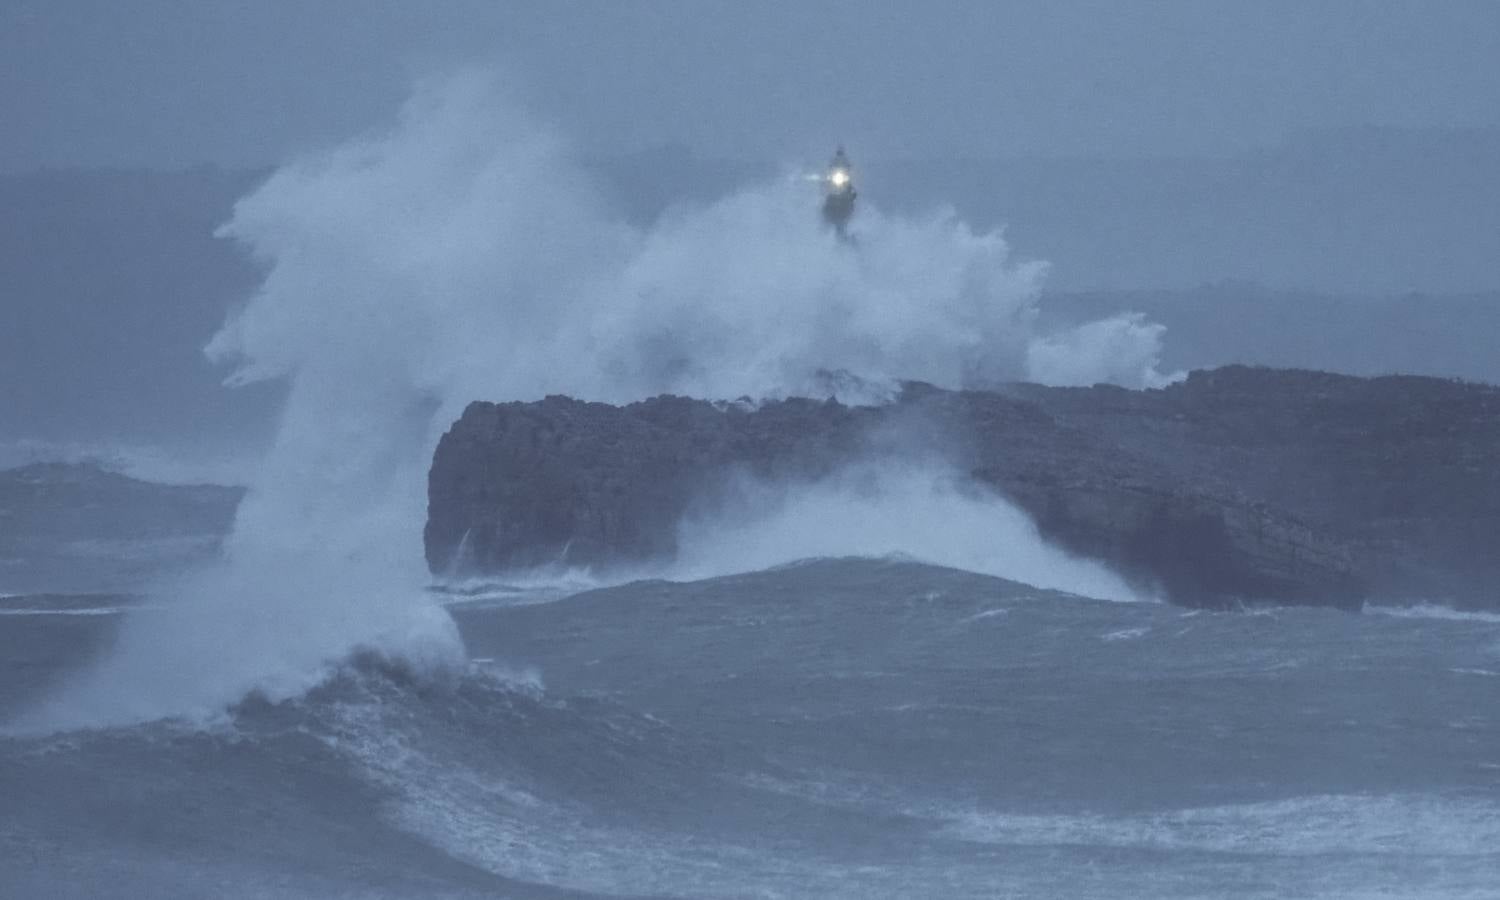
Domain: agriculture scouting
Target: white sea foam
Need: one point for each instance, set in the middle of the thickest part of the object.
(1301, 826)
(1435, 612)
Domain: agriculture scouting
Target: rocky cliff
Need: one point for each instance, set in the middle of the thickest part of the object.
(1236, 485)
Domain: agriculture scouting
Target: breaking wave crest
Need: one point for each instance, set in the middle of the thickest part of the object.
(921, 510)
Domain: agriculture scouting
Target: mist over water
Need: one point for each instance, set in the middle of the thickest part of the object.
(463, 254)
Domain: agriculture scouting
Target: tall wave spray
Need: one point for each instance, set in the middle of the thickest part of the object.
(463, 254)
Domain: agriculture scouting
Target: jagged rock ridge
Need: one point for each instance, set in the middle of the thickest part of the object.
(1236, 485)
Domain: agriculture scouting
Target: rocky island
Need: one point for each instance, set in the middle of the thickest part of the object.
(79, 527)
(1235, 486)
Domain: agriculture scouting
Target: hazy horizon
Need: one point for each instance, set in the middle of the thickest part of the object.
(166, 84)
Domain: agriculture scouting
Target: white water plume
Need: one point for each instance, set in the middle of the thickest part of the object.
(909, 507)
(463, 254)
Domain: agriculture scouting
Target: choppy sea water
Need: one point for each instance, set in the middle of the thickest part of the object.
(839, 728)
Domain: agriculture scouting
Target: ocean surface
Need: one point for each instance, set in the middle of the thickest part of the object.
(833, 728)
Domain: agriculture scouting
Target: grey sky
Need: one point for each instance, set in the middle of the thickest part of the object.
(176, 82)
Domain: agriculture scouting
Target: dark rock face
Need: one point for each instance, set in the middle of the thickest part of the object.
(1237, 485)
(521, 484)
